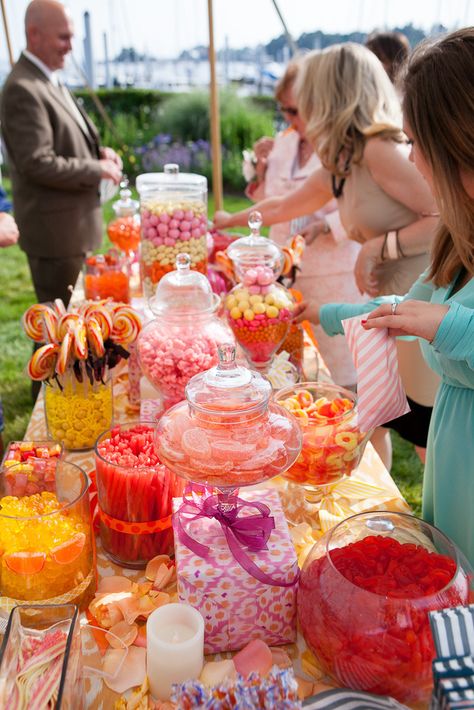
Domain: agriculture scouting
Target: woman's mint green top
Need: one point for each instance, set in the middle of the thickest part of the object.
(448, 486)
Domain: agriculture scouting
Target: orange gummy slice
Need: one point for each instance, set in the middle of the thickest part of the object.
(69, 551)
(25, 562)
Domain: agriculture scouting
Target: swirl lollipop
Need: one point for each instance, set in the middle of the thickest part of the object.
(42, 362)
(32, 321)
(103, 317)
(66, 322)
(65, 353)
(80, 340)
(59, 307)
(94, 337)
(50, 322)
(127, 325)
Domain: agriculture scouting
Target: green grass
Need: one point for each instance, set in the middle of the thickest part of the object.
(16, 294)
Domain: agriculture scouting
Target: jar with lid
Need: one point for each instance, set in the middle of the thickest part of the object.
(173, 220)
(228, 433)
(107, 276)
(258, 309)
(124, 229)
(183, 338)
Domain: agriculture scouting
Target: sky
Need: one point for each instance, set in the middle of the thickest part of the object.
(164, 28)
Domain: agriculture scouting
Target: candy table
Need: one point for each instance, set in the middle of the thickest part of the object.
(371, 471)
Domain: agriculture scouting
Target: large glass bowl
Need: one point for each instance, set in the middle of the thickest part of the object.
(365, 592)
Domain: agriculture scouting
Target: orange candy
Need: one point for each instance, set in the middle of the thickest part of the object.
(124, 232)
(25, 562)
(69, 550)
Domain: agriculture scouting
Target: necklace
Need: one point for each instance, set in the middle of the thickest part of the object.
(338, 183)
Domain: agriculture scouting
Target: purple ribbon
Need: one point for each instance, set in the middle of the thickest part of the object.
(250, 531)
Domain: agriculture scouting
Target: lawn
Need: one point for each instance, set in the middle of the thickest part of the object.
(16, 294)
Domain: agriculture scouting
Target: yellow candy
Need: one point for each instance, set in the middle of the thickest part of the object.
(235, 313)
(230, 302)
(241, 294)
(346, 439)
(244, 306)
(269, 299)
(259, 308)
(249, 314)
(256, 298)
(272, 311)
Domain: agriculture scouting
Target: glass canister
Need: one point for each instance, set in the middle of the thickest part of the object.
(107, 276)
(77, 411)
(183, 338)
(41, 652)
(124, 229)
(135, 495)
(258, 309)
(228, 433)
(46, 553)
(173, 220)
(364, 595)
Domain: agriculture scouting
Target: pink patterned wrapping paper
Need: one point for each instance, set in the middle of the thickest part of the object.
(236, 607)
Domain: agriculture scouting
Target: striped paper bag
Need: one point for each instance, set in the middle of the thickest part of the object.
(380, 393)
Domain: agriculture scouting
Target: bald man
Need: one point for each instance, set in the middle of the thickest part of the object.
(54, 155)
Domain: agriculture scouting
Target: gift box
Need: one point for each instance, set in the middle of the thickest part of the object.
(235, 605)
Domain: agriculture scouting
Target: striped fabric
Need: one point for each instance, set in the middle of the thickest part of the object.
(380, 392)
(453, 631)
(343, 699)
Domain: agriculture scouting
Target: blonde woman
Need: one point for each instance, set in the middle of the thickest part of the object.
(327, 268)
(353, 121)
(439, 308)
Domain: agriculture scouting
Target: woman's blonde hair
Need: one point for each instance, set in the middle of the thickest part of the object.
(439, 110)
(344, 97)
(288, 79)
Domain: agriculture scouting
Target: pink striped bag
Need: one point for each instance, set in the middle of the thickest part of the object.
(380, 393)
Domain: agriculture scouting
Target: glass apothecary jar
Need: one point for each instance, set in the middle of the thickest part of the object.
(173, 219)
(54, 677)
(135, 495)
(77, 411)
(228, 433)
(183, 338)
(365, 592)
(46, 537)
(124, 228)
(107, 276)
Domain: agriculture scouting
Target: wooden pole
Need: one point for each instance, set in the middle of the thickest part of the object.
(215, 121)
(7, 33)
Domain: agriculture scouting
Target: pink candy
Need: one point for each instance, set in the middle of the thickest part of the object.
(258, 279)
(181, 225)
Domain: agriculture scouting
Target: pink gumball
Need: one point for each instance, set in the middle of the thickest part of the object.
(195, 223)
(162, 229)
(196, 233)
(154, 220)
(158, 241)
(254, 289)
(185, 225)
(145, 214)
(164, 217)
(174, 234)
(151, 232)
(189, 214)
(186, 236)
(178, 214)
(265, 277)
(174, 224)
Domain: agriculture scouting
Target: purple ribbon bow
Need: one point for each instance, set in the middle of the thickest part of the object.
(250, 531)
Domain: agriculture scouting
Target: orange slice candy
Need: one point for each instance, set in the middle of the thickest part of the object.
(25, 562)
(69, 551)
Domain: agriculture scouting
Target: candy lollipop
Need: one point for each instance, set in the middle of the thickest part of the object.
(59, 307)
(50, 321)
(43, 361)
(65, 353)
(65, 323)
(94, 337)
(127, 325)
(80, 340)
(32, 321)
(103, 317)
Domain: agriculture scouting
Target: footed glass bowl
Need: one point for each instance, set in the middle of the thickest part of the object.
(365, 592)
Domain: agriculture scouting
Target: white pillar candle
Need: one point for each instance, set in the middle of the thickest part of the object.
(175, 647)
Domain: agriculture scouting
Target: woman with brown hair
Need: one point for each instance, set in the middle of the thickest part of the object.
(439, 308)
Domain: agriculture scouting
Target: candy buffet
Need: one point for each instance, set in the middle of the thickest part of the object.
(241, 546)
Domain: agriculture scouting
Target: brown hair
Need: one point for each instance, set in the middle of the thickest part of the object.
(439, 109)
(288, 78)
(392, 48)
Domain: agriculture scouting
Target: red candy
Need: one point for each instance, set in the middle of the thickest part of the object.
(134, 486)
(364, 613)
(105, 278)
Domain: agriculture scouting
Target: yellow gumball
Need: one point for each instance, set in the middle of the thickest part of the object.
(241, 294)
(244, 306)
(269, 299)
(230, 302)
(272, 312)
(256, 298)
(236, 313)
(259, 309)
(249, 314)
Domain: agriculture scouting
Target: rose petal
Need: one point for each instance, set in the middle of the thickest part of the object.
(114, 584)
(141, 637)
(163, 577)
(133, 669)
(126, 633)
(154, 565)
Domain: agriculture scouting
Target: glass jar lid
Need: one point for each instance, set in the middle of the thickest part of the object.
(183, 291)
(171, 179)
(125, 206)
(255, 251)
(228, 388)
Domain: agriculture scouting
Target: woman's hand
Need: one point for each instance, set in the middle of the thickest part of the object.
(410, 318)
(313, 230)
(221, 219)
(364, 269)
(306, 310)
